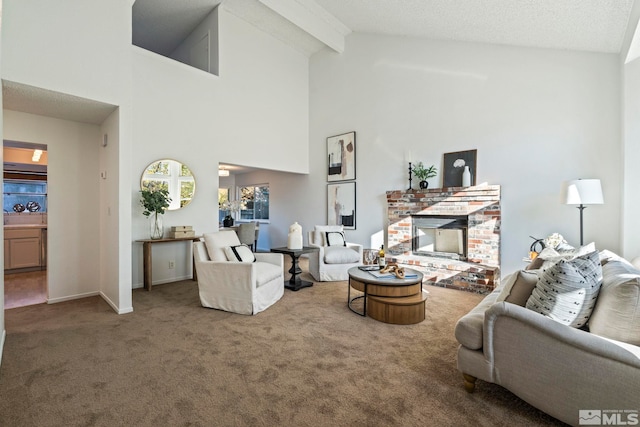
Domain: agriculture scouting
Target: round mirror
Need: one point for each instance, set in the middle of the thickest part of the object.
(172, 176)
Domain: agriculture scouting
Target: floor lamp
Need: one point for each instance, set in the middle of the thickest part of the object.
(583, 192)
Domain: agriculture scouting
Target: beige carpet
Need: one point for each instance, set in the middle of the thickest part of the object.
(306, 361)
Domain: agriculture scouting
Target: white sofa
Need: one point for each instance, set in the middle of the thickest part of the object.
(559, 369)
(332, 262)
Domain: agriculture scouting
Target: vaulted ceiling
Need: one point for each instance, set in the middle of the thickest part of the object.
(593, 25)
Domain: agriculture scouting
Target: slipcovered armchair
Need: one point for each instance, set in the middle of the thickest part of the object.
(335, 256)
(232, 278)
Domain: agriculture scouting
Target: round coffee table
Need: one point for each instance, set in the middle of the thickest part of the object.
(389, 300)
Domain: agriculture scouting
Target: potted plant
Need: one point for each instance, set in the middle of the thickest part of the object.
(423, 173)
(155, 202)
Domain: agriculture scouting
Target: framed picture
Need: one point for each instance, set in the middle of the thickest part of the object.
(341, 157)
(341, 205)
(454, 165)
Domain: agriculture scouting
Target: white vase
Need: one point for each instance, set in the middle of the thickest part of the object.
(466, 177)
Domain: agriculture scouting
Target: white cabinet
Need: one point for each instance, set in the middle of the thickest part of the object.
(22, 248)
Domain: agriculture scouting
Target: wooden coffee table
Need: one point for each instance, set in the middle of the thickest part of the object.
(389, 300)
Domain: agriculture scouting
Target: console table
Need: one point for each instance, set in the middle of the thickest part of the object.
(146, 254)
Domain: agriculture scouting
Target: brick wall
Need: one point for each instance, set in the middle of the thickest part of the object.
(481, 204)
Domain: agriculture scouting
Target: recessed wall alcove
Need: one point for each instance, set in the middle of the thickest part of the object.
(478, 269)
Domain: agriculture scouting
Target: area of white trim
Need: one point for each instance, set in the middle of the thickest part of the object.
(72, 297)
(313, 19)
(4, 335)
(114, 306)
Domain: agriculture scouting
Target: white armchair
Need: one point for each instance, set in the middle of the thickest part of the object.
(334, 256)
(239, 287)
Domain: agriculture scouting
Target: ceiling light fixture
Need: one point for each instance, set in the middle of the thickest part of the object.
(36, 155)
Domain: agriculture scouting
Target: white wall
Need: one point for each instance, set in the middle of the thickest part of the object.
(537, 117)
(81, 49)
(75, 47)
(73, 200)
(631, 207)
(255, 113)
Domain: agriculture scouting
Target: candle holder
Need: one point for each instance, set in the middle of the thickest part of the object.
(410, 177)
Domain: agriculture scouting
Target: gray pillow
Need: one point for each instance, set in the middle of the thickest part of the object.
(617, 312)
(518, 287)
(567, 290)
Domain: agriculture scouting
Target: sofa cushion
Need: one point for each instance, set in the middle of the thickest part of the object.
(518, 287)
(216, 242)
(239, 253)
(340, 255)
(617, 311)
(266, 272)
(567, 291)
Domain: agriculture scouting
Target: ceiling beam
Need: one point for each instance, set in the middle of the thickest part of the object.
(313, 19)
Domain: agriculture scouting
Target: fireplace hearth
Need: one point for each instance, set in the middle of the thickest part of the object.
(450, 234)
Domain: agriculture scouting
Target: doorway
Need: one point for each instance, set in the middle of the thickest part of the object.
(25, 224)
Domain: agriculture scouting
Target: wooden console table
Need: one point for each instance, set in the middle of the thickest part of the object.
(146, 252)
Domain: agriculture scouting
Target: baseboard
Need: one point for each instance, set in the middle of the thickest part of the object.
(162, 282)
(72, 297)
(114, 306)
(4, 335)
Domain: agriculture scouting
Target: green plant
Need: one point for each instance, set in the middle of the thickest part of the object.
(423, 173)
(155, 201)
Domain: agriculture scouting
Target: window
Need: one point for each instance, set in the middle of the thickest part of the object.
(255, 201)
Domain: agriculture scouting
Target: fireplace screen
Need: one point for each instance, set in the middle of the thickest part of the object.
(440, 236)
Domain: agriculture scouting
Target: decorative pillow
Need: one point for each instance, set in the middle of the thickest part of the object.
(217, 242)
(340, 255)
(617, 312)
(239, 253)
(567, 290)
(319, 233)
(335, 238)
(607, 256)
(518, 287)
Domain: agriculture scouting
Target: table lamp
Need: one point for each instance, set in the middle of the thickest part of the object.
(583, 192)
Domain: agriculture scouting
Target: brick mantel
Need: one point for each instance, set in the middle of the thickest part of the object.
(481, 205)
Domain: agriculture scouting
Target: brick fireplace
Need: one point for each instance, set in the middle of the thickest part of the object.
(478, 270)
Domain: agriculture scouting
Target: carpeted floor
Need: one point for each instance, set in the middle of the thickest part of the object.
(306, 361)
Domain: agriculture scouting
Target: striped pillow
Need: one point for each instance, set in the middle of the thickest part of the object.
(567, 290)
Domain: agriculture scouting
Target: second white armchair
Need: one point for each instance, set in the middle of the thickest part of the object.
(335, 256)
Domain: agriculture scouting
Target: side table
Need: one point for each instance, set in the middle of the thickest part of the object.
(295, 283)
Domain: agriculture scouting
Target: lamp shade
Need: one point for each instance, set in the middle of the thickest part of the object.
(583, 192)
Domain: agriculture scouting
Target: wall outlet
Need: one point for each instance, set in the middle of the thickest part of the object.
(172, 265)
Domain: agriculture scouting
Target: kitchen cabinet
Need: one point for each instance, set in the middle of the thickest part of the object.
(22, 248)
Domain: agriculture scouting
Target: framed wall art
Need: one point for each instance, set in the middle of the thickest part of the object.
(454, 167)
(341, 157)
(341, 205)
